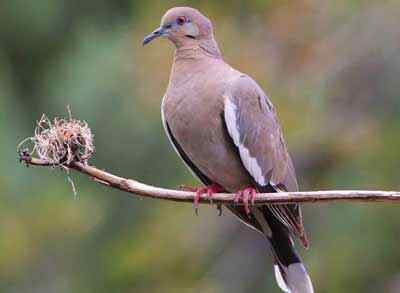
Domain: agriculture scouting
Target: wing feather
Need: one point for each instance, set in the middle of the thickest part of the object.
(253, 125)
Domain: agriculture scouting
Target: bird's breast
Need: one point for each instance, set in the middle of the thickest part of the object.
(195, 118)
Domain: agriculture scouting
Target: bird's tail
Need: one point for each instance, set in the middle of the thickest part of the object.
(290, 273)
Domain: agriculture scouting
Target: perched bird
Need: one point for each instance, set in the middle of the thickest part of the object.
(226, 131)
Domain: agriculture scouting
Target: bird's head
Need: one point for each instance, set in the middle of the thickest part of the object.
(184, 26)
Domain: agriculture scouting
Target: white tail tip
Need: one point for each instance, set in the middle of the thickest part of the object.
(298, 280)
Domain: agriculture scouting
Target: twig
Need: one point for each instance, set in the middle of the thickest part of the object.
(135, 187)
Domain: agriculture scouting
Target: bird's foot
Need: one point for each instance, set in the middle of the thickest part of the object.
(209, 190)
(245, 195)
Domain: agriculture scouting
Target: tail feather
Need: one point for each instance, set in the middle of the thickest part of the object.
(290, 273)
(279, 279)
(297, 279)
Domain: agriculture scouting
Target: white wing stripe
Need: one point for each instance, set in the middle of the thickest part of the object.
(249, 162)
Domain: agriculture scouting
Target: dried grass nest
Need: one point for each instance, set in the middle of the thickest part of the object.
(61, 141)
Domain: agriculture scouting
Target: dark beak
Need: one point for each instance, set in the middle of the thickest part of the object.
(155, 34)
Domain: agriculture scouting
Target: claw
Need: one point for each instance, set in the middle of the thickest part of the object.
(219, 208)
(238, 196)
(196, 201)
(253, 195)
(245, 199)
(245, 195)
(209, 190)
(210, 194)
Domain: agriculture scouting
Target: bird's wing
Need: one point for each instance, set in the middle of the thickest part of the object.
(252, 123)
(239, 211)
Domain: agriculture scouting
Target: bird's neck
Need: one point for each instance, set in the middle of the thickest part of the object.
(207, 48)
(192, 62)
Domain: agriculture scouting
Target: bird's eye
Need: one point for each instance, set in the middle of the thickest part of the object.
(181, 20)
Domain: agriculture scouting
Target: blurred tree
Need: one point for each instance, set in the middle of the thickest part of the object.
(331, 69)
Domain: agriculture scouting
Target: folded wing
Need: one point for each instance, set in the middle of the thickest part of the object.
(253, 125)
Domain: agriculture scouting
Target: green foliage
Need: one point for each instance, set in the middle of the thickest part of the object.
(330, 67)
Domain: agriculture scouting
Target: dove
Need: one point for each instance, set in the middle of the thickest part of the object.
(226, 131)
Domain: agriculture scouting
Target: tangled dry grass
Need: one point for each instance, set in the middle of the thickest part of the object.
(61, 141)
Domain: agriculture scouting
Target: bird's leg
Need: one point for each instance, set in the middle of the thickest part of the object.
(209, 190)
(245, 195)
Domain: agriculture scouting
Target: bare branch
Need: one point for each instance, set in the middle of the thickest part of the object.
(68, 144)
(135, 187)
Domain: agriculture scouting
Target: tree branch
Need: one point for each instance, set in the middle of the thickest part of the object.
(135, 187)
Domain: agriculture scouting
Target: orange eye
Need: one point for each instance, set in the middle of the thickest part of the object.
(181, 20)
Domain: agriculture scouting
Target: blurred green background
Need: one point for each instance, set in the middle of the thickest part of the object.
(332, 69)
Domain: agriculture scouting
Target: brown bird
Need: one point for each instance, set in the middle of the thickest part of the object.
(226, 130)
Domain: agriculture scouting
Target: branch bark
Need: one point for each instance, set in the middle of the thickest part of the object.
(138, 188)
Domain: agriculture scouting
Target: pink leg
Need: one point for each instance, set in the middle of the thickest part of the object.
(245, 195)
(209, 190)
